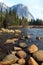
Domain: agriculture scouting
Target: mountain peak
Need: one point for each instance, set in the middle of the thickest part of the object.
(21, 10)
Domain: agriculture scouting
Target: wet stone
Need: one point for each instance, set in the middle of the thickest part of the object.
(31, 61)
(21, 54)
(41, 63)
(21, 61)
(37, 38)
(17, 48)
(33, 48)
(10, 59)
(38, 55)
(23, 45)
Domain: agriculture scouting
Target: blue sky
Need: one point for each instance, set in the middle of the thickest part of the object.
(34, 6)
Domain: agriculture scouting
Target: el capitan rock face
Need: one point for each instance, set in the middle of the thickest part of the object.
(21, 10)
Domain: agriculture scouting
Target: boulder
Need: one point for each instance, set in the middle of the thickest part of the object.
(38, 55)
(21, 54)
(33, 48)
(12, 40)
(38, 38)
(17, 48)
(7, 30)
(23, 45)
(41, 63)
(31, 61)
(15, 39)
(10, 59)
(11, 31)
(17, 31)
(27, 37)
(21, 61)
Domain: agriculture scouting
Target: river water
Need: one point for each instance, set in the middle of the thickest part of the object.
(33, 32)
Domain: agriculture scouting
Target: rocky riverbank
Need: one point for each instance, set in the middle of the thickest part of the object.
(16, 51)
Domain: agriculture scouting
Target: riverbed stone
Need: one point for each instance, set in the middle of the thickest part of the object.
(18, 31)
(38, 38)
(41, 63)
(16, 35)
(17, 48)
(27, 37)
(21, 54)
(10, 59)
(38, 55)
(21, 61)
(11, 40)
(23, 45)
(33, 48)
(31, 61)
(7, 30)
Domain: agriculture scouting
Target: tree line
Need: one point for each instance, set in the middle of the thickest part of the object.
(11, 18)
(36, 22)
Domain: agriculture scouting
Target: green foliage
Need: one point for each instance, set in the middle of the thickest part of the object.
(36, 22)
(11, 18)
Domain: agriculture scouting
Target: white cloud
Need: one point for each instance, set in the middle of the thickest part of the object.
(1, 0)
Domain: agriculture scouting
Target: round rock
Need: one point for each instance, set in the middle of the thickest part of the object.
(33, 48)
(38, 38)
(17, 48)
(21, 61)
(10, 59)
(42, 64)
(31, 61)
(38, 55)
(18, 31)
(23, 45)
(21, 54)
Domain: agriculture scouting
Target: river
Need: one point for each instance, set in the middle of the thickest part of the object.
(34, 32)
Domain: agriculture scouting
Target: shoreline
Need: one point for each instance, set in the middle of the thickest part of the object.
(30, 26)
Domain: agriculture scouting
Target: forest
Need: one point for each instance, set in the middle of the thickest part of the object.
(11, 18)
